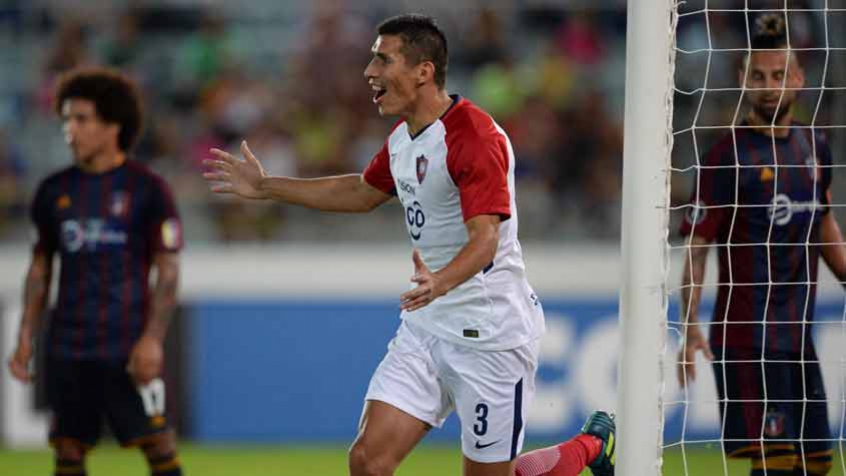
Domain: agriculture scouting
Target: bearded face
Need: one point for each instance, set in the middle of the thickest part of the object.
(772, 82)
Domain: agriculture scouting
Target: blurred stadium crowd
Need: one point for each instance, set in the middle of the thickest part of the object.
(287, 76)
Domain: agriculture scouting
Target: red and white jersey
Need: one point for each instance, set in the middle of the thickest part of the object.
(459, 167)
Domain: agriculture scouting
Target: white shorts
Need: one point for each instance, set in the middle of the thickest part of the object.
(427, 377)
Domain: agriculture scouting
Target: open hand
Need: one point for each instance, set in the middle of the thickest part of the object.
(428, 288)
(145, 360)
(228, 174)
(19, 361)
(693, 342)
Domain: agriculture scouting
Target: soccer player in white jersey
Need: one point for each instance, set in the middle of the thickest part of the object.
(468, 340)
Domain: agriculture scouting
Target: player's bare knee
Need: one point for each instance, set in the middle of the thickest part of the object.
(364, 462)
(357, 457)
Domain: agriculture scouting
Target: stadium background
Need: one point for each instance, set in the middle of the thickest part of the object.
(285, 312)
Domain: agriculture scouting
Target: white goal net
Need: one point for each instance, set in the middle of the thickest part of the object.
(754, 287)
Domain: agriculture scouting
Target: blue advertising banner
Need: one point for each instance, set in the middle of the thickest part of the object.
(297, 371)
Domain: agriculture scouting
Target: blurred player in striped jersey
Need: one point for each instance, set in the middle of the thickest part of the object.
(770, 244)
(471, 324)
(110, 220)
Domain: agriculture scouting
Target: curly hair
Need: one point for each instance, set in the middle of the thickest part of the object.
(116, 99)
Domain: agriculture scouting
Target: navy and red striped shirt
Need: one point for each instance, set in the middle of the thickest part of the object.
(106, 229)
(768, 257)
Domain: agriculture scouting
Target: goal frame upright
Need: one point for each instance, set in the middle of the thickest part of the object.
(645, 214)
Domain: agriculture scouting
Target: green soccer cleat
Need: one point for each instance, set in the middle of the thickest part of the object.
(601, 425)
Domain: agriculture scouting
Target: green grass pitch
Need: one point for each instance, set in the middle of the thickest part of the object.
(210, 460)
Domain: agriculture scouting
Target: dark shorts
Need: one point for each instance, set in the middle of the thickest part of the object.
(84, 394)
(750, 420)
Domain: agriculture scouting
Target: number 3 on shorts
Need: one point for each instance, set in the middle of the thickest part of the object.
(153, 396)
(481, 427)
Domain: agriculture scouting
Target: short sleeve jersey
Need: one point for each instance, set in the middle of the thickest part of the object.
(459, 167)
(106, 228)
(765, 206)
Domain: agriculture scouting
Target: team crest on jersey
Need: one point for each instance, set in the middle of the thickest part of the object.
(119, 205)
(774, 425)
(422, 166)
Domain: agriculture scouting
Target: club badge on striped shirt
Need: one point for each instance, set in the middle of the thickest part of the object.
(120, 204)
(774, 423)
(422, 166)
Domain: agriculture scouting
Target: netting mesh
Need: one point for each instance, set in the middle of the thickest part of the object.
(758, 193)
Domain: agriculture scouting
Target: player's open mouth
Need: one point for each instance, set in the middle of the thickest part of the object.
(378, 93)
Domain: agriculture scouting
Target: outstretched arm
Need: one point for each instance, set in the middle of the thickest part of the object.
(246, 178)
(341, 193)
(692, 279)
(36, 292)
(833, 250)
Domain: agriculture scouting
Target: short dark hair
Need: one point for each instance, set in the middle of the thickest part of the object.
(769, 32)
(423, 40)
(115, 97)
